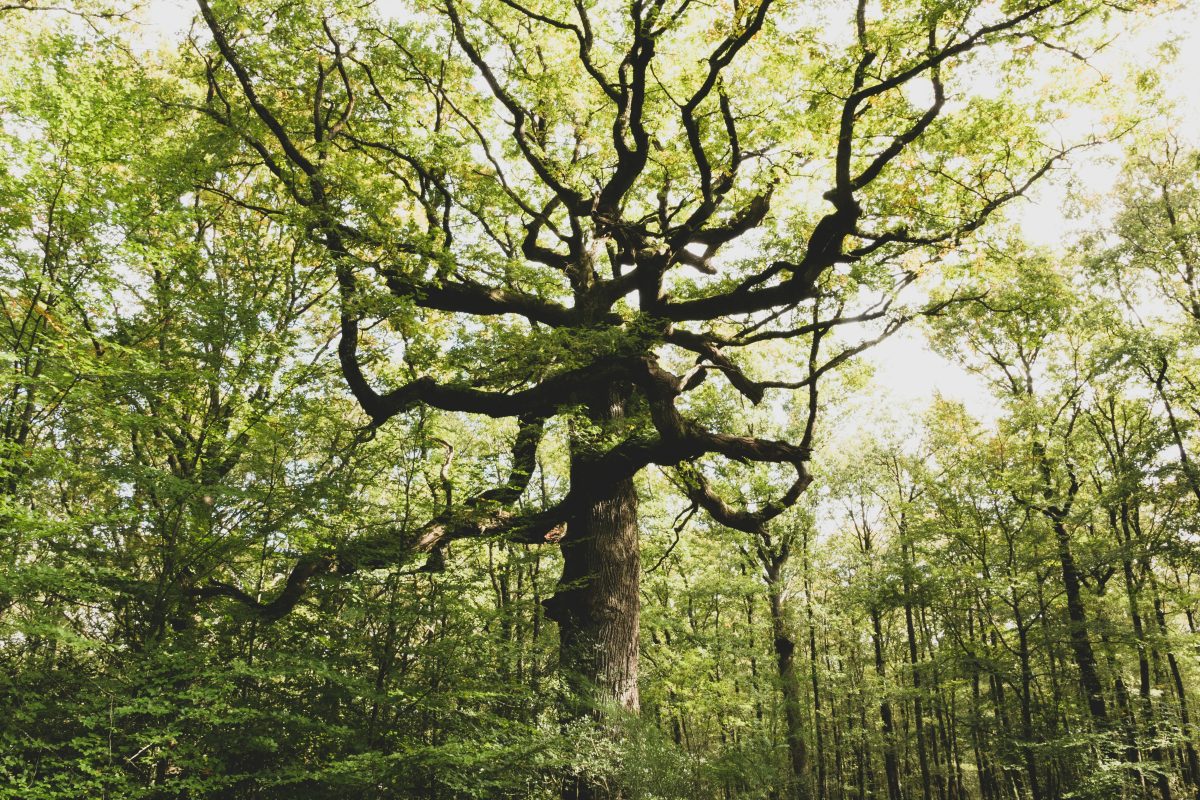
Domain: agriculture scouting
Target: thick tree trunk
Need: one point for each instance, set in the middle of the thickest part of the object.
(597, 603)
(789, 682)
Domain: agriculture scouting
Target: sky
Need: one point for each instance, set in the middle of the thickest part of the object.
(908, 374)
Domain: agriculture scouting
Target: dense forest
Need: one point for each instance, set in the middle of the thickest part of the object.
(475, 399)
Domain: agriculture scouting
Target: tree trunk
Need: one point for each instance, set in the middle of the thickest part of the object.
(1144, 651)
(597, 603)
(915, 667)
(818, 721)
(597, 606)
(1081, 644)
(1126, 719)
(1027, 735)
(1191, 764)
(890, 764)
(789, 683)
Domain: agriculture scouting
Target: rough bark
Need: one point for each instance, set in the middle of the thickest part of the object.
(597, 607)
(597, 603)
(789, 683)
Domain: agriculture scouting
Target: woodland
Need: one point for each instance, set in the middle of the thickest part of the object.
(459, 399)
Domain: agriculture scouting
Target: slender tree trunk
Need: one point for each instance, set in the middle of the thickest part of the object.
(958, 785)
(835, 724)
(979, 743)
(1048, 642)
(1081, 644)
(1157, 753)
(915, 666)
(1191, 771)
(822, 782)
(890, 765)
(1012, 777)
(1126, 716)
(866, 771)
(1031, 770)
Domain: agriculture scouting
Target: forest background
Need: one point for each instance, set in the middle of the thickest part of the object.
(599, 400)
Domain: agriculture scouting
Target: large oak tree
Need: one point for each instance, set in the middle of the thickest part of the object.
(575, 198)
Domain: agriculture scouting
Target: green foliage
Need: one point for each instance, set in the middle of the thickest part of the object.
(175, 437)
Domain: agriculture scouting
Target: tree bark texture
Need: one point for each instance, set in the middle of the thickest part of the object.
(597, 604)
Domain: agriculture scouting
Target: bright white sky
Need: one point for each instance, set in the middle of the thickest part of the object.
(909, 375)
(907, 371)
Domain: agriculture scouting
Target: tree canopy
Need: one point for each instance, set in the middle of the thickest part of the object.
(467, 398)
